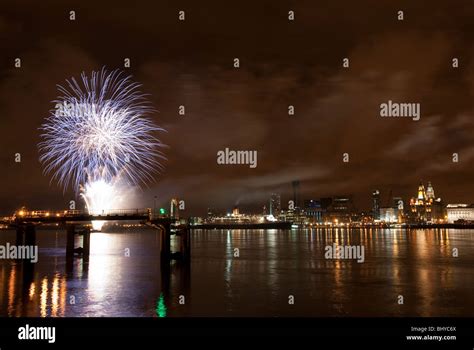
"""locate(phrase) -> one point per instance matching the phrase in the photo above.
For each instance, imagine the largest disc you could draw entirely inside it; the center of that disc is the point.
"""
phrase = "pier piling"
(165, 240)
(86, 246)
(20, 230)
(30, 235)
(70, 231)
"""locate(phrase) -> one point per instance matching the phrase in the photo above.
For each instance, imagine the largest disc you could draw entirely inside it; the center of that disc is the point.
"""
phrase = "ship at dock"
(236, 220)
(284, 225)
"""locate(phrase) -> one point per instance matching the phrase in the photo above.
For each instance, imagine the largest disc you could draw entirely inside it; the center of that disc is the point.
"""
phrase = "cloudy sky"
(282, 63)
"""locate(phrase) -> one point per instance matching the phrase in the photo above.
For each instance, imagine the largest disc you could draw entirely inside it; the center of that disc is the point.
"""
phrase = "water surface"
(124, 276)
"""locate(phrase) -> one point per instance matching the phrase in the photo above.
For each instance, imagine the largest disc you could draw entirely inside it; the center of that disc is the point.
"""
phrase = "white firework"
(100, 134)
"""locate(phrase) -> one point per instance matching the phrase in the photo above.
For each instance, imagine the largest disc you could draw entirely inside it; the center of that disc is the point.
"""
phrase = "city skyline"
(263, 203)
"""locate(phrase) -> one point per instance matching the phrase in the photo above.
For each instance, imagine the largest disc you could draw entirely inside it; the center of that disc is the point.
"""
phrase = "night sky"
(282, 63)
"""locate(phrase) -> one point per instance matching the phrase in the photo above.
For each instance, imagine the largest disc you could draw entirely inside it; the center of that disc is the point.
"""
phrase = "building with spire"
(430, 192)
(426, 208)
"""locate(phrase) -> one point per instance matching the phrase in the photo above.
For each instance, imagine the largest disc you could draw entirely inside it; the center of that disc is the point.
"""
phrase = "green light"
(161, 307)
(162, 211)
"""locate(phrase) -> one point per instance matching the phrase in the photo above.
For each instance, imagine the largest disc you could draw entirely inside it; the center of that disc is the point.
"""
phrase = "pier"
(77, 223)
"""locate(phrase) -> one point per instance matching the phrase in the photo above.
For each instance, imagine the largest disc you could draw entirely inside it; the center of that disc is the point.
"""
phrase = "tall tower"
(296, 194)
(275, 204)
(430, 195)
(421, 192)
(376, 205)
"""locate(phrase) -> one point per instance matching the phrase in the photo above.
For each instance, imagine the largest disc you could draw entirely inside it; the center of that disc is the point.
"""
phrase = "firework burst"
(99, 134)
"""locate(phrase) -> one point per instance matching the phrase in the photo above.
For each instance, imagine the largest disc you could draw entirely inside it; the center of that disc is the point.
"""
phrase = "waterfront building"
(425, 208)
(295, 216)
(196, 220)
(460, 213)
(389, 215)
(398, 205)
(325, 203)
(340, 210)
(313, 210)
(439, 211)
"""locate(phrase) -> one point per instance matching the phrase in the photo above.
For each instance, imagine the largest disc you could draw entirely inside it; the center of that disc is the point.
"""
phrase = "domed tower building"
(430, 195)
(421, 194)
(426, 208)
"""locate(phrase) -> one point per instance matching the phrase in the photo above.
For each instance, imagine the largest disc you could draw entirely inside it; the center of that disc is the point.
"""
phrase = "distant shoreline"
(277, 225)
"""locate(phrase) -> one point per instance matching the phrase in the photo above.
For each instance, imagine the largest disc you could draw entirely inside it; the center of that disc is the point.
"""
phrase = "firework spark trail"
(100, 131)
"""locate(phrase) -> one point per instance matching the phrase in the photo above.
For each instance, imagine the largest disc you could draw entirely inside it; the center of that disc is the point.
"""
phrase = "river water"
(271, 273)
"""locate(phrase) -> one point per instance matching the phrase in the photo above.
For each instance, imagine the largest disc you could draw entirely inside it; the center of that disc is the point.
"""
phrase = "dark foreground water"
(272, 265)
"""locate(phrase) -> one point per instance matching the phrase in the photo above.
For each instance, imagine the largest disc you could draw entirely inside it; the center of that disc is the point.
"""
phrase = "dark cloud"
(282, 63)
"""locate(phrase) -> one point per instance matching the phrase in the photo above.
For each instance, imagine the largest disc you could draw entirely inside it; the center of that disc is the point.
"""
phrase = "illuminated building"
(430, 191)
(313, 210)
(399, 206)
(389, 215)
(340, 210)
(275, 204)
(439, 211)
(195, 220)
(460, 212)
(376, 205)
(425, 208)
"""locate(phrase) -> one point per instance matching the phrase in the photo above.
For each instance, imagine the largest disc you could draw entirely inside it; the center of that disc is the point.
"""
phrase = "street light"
(154, 207)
